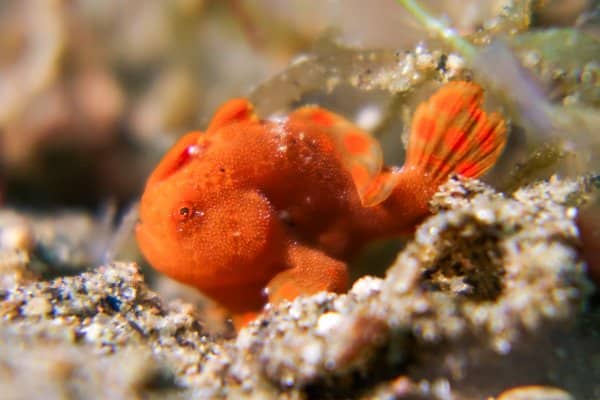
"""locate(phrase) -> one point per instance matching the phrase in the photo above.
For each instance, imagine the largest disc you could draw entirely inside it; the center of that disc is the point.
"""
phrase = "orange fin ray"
(381, 187)
(451, 133)
(359, 152)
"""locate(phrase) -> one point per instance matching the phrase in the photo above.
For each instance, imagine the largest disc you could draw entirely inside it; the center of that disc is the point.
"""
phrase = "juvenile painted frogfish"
(254, 211)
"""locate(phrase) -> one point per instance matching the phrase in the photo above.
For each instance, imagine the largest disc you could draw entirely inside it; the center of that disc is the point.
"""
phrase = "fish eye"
(183, 211)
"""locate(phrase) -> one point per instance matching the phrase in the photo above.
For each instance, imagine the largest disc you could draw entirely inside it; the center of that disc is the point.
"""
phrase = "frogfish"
(254, 211)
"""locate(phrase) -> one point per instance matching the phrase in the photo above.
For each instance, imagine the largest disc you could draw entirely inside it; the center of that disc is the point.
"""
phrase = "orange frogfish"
(254, 211)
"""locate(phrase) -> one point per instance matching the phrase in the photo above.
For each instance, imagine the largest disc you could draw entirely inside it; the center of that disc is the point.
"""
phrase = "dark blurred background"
(92, 92)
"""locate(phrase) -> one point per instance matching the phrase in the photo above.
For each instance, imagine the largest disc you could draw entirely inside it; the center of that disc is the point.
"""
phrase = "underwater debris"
(522, 72)
(569, 72)
(570, 129)
(331, 65)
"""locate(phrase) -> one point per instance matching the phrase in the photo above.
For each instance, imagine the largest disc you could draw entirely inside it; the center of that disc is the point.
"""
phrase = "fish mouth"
(145, 239)
(152, 247)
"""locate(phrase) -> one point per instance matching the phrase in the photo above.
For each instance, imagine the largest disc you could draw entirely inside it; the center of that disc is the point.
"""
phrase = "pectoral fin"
(359, 152)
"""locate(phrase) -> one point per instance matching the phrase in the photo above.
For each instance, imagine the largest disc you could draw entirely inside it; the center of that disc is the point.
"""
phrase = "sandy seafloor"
(490, 294)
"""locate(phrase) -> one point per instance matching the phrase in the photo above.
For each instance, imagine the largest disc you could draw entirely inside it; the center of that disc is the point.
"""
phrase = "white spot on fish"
(368, 117)
(193, 150)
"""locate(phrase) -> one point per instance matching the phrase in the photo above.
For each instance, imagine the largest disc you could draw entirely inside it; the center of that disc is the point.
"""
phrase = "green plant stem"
(438, 27)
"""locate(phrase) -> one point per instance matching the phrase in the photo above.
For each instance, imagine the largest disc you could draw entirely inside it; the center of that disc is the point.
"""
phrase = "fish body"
(254, 211)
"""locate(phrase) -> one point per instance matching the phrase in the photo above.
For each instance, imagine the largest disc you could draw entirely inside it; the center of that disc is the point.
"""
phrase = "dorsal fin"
(451, 133)
(360, 153)
(235, 110)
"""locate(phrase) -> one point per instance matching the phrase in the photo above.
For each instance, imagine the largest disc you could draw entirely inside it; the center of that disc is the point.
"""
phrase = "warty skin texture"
(255, 210)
